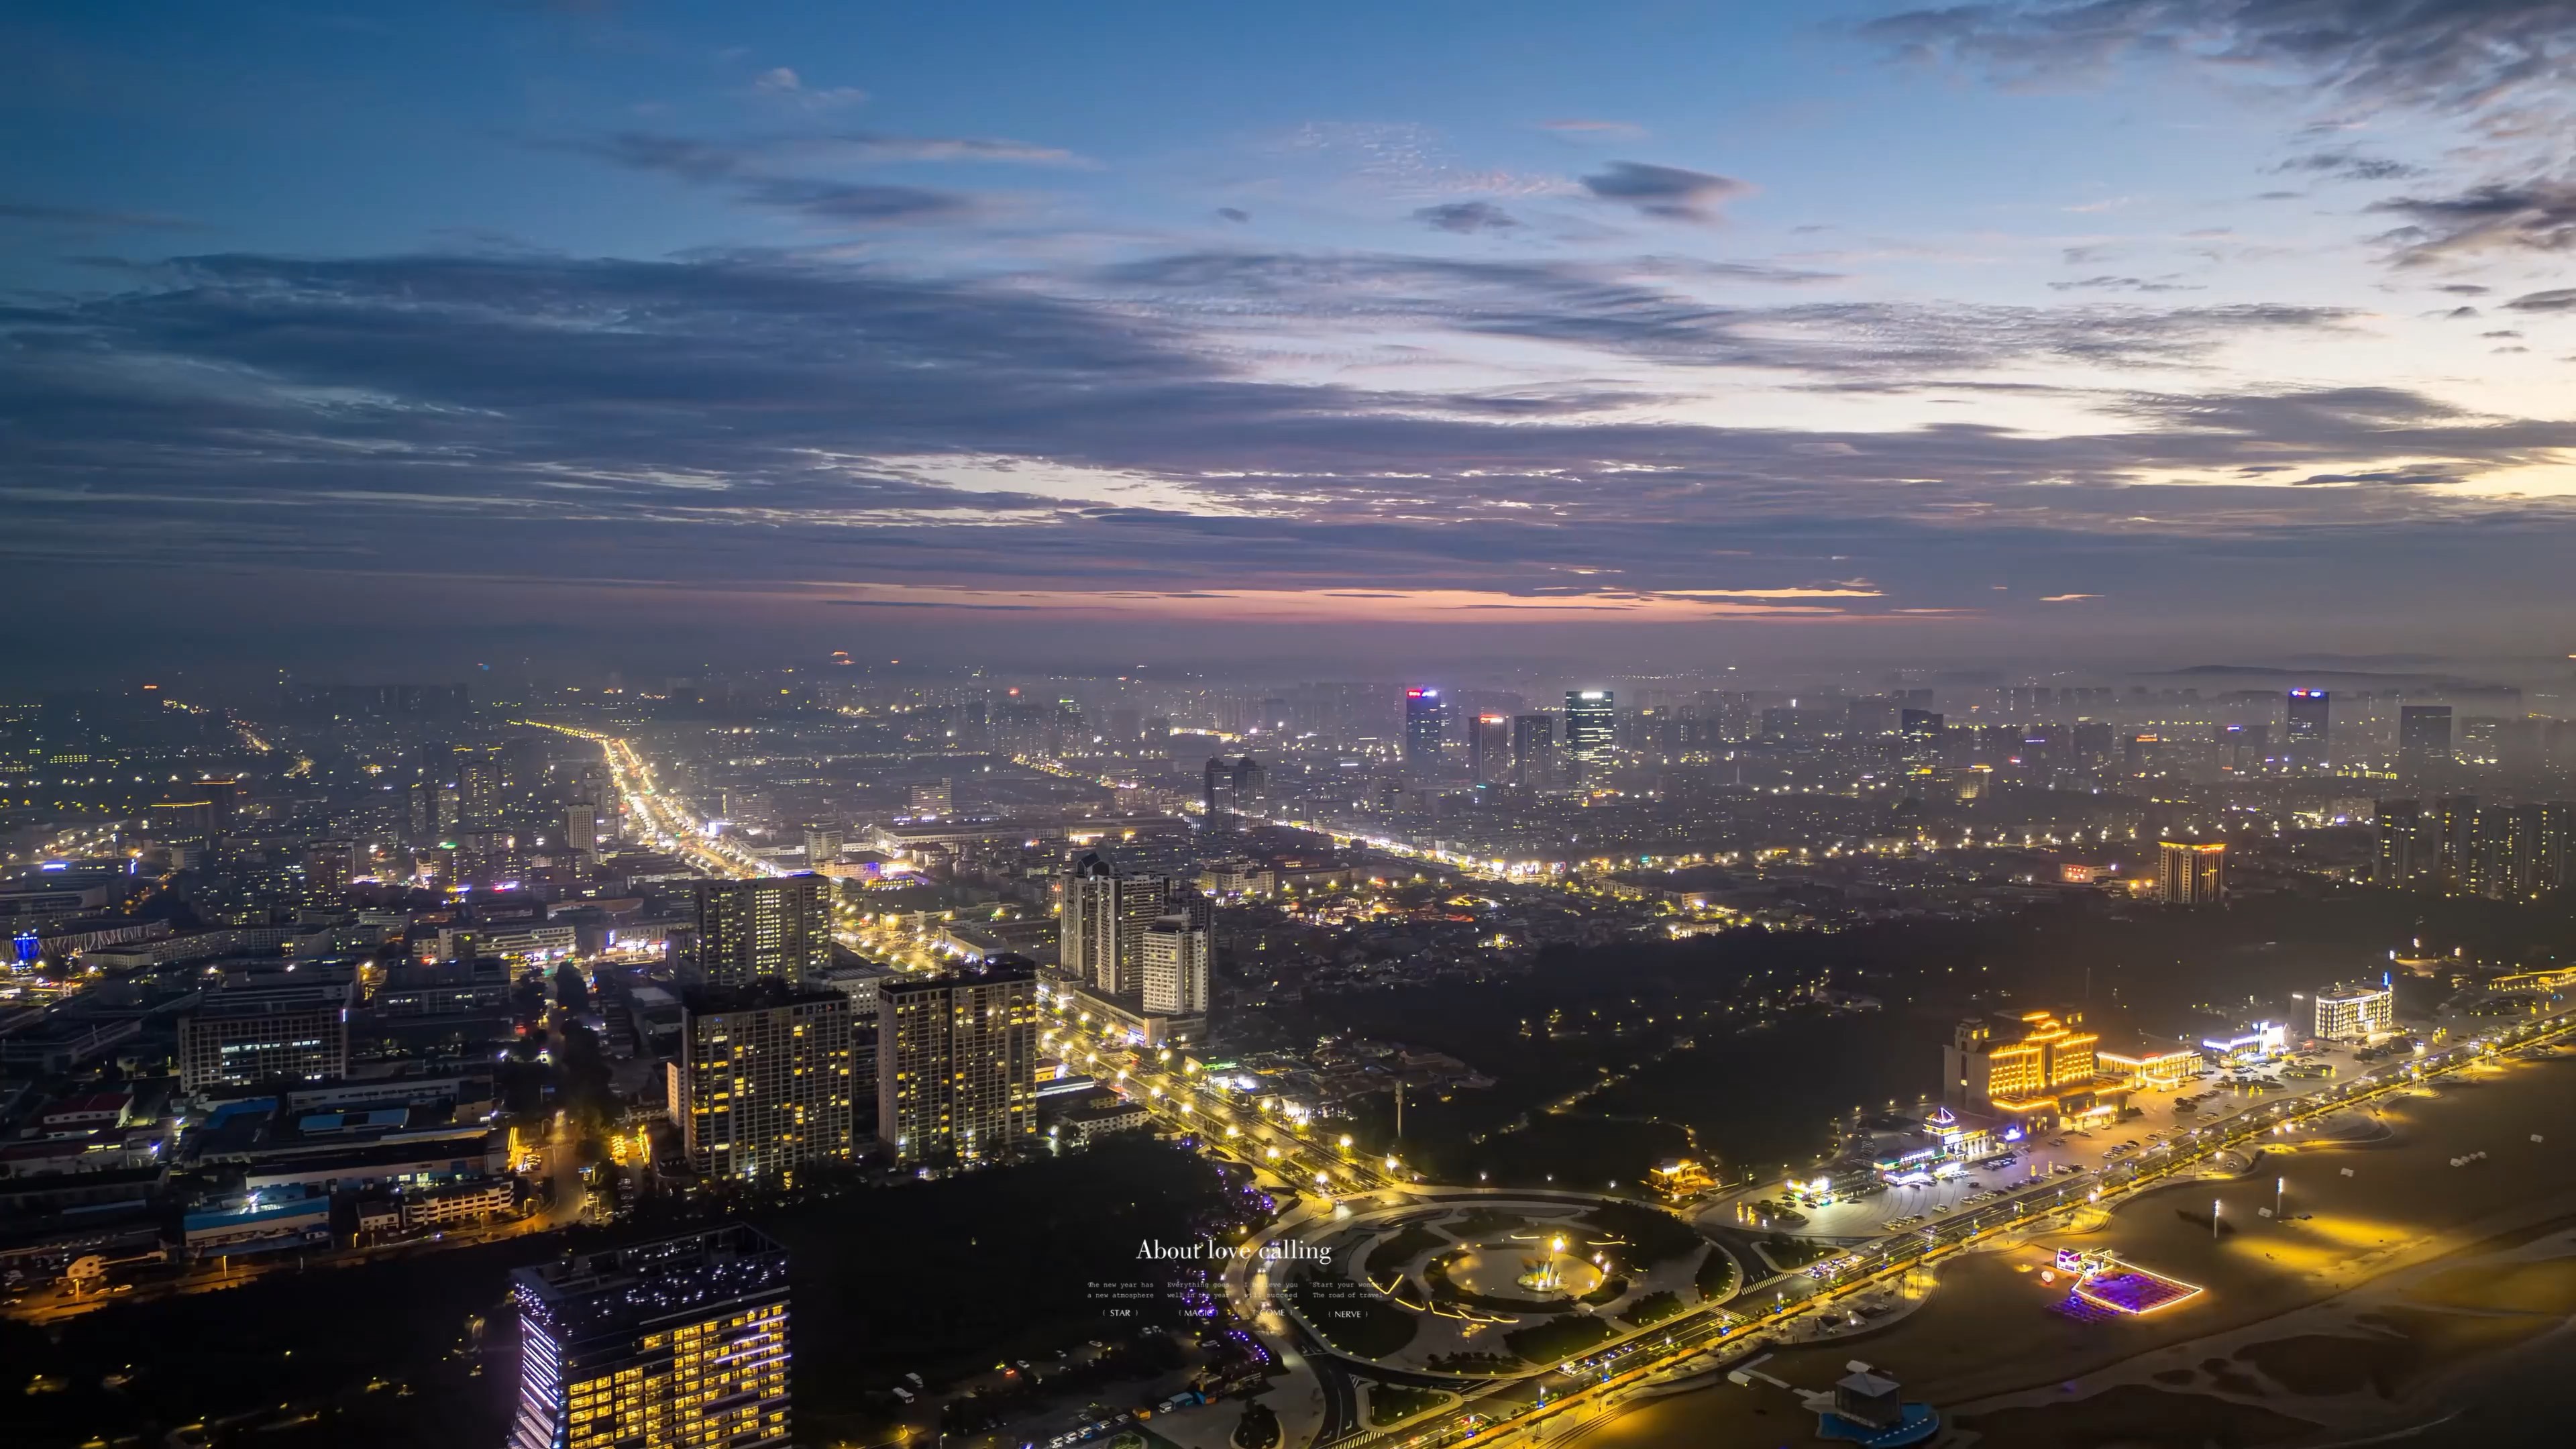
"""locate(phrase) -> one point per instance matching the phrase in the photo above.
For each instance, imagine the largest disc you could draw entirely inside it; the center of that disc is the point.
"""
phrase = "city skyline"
(2038, 331)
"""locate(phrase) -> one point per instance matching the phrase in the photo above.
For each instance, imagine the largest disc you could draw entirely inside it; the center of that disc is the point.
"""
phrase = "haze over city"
(1418, 726)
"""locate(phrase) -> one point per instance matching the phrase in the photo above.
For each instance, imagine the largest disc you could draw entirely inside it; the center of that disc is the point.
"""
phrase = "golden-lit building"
(661, 1345)
(2149, 1065)
(763, 1086)
(1678, 1178)
(957, 1065)
(2191, 872)
(2031, 1066)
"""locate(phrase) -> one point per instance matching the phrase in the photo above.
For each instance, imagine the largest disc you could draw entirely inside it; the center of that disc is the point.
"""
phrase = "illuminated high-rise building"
(1489, 747)
(1424, 721)
(1591, 727)
(1100, 932)
(778, 925)
(673, 1344)
(581, 829)
(762, 1087)
(1176, 951)
(1533, 749)
(478, 773)
(2191, 872)
(957, 1065)
(1232, 786)
(2409, 854)
(2303, 744)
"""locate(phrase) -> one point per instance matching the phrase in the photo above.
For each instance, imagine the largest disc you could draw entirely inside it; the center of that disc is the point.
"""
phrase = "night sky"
(2145, 331)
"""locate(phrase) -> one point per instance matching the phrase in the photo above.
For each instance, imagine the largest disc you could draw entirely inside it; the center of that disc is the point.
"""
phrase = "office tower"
(762, 1088)
(2191, 873)
(932, 801)
(581, 829)
(257, 1037)
(823, 841)
(1235, 786)
(957, 1065)
(478, 773)
(2303, 743)
(2409, 853)
(779, 925)
(1422, 728)
(2356, 1013)
(661, 1345)
(1176, 953)
(1100, 932)
(1921, 729)
(1533, 749)
(1489, 747)
(2423, 738)
(1591, 727)
(1869, 716)
(2243, 748)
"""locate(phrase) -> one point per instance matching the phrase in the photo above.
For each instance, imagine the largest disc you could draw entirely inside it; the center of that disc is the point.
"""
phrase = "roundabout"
(1492, 1285)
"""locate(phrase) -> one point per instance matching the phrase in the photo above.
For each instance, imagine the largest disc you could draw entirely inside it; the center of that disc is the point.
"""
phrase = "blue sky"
(1761, 331)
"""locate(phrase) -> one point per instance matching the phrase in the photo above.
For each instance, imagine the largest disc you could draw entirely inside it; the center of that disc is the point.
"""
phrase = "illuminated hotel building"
(2360, 1013)
(2027, 1067)
(762, 1086)
(957, 1065)
(680, 1342)
(2191, 873)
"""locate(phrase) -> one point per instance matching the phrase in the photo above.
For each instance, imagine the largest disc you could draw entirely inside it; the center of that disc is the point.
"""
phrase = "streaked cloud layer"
(2155, 313)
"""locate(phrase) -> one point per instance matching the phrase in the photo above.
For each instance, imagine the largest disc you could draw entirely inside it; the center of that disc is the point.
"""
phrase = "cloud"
(1577, 126)
(2454, 56)
(2562, 299)
(738, 423)
(2065, 598)
(1466, 216)
(784, 83)
(2349, 165)
(2534, 216)
(859, 202)
(1643, 311)
(88, 217)
(1668, 192)
(744, 168)
(1234, 214)
(2124, 284)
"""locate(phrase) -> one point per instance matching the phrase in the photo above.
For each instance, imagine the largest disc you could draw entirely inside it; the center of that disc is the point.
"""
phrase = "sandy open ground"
(2400, 1293)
